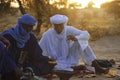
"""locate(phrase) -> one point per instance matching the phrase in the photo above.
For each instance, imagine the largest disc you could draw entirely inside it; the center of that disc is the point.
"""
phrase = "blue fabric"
(5, 60)
(1, 46)
(1, 54)
(18, 33)
(27, 19)
(9, 57)
(34, 59)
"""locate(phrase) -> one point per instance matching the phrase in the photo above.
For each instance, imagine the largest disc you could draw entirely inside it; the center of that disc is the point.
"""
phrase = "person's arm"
(11, 40)
(34, 50)
(75, 34)
(44, 43)
(11, 62)
(5, 41)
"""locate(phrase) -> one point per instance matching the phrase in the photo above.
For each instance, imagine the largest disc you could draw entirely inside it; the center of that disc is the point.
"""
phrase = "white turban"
(58, 19)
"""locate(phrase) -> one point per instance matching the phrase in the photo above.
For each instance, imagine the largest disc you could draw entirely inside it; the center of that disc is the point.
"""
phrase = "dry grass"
(97, 27)
(102, 27)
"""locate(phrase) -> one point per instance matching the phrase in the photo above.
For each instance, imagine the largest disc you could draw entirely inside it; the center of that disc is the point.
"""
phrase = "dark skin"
(27, 27)
(59, 28)
(5, 41)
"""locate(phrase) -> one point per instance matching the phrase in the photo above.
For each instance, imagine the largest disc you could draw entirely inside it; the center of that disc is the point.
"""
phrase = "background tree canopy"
(112, 8)
(97, 20)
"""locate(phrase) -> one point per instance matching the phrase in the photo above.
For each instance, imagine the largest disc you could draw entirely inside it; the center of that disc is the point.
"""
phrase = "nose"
(29, 29)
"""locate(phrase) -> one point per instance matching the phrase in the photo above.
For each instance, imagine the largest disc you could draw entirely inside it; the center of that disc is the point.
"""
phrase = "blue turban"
(27, 19)
(18, 33)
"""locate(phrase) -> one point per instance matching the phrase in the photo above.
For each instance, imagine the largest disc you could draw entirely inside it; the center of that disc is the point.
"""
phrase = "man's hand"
(52, 61)
(71, 37)
(6, 42)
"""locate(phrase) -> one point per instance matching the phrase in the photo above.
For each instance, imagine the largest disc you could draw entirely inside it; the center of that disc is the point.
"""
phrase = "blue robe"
(33, 59)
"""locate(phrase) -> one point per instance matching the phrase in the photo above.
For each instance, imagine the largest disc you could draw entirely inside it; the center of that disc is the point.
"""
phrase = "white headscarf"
(58, 19)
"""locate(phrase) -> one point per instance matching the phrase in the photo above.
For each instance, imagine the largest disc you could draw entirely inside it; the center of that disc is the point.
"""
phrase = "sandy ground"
(107, 47)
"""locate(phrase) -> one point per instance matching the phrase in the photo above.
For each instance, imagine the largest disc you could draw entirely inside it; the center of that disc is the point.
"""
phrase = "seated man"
(67, 45)
(24, 51)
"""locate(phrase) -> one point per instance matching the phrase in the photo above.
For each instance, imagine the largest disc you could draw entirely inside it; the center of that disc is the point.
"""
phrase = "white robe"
(67, 53)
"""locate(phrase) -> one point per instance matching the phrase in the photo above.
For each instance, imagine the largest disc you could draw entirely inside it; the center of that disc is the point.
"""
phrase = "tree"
(90, 4)
(112, 8)
(74, 5)
(4, 6)
(60, 3)
(21, 7)
(42, 10)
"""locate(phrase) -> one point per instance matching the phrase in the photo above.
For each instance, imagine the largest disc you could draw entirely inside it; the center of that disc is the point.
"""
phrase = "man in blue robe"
(24, 51)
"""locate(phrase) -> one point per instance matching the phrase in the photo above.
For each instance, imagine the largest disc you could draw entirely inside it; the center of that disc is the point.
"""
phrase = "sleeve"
(79, 34)
(9, 62)
(47, 47)
(34, 50)
(43, 45)
(83, 36)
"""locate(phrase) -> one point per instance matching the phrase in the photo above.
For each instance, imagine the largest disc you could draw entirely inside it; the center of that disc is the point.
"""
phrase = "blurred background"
(100, 17)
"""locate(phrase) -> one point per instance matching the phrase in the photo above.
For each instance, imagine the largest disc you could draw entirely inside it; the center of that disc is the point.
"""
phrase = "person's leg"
(98, 68)
(88, 56)
(90, 59)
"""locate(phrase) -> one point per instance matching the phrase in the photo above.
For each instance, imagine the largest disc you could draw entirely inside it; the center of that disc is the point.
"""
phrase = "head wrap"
(58, 19)
(18, 33)
(27, 19)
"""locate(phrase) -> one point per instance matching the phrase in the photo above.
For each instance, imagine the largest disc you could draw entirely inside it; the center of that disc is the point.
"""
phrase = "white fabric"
(67, 53)
(58, 19)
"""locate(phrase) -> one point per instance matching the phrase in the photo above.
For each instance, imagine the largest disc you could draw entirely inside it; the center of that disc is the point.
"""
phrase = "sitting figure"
(67, 45)
(24, 51)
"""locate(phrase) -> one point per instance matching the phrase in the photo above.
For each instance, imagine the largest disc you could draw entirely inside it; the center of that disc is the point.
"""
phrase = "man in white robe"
(66, 44)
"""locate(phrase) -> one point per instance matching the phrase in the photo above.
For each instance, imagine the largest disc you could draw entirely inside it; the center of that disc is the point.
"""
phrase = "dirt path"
(107, 47)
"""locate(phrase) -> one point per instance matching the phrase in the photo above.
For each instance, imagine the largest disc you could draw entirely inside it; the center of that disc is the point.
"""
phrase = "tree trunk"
(38, 29)
(21, 7)
(39, 16)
